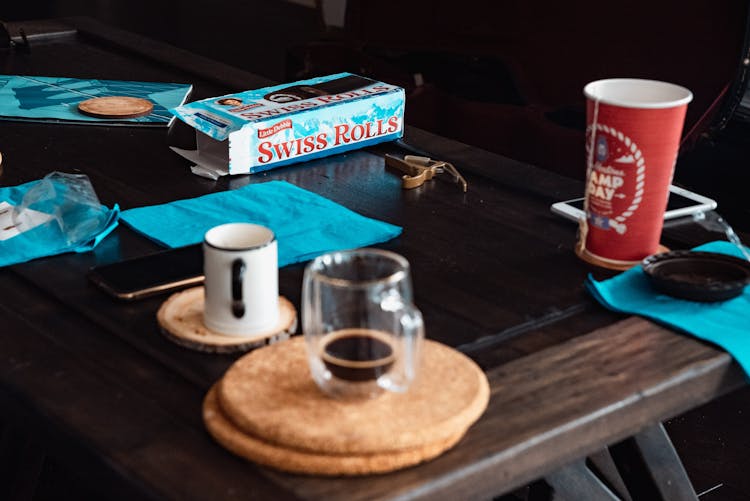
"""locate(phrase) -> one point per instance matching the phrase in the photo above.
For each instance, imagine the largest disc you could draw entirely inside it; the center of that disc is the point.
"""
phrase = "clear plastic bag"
(71, 201)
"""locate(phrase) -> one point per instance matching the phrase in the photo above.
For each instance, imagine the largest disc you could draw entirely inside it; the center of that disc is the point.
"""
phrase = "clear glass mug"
(362, 332)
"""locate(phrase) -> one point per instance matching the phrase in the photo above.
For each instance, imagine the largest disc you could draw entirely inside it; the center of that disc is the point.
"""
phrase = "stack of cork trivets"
(181, 320)
(268, 409)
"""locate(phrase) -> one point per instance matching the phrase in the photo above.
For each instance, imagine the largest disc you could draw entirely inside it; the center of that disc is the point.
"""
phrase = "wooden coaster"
(296, 461)
(116, 107)
(270, 394)
(611, 264)
(181, 320)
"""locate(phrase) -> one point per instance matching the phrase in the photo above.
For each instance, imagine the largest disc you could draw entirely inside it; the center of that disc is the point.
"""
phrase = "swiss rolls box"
(258, 130)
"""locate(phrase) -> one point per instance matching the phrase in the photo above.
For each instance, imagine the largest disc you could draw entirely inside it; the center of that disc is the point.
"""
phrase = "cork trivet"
(181, 321)
(611, 264)
(270, 394)
(296, 461)
(116, 107)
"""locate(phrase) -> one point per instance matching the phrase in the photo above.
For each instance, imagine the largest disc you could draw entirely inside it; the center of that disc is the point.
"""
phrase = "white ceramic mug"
(240, 262)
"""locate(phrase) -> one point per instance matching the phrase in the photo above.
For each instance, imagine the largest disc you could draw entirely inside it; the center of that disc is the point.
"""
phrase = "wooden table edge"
(705, 373)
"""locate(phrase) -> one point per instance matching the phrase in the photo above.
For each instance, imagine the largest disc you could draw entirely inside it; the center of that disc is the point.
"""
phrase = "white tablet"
(681, 203)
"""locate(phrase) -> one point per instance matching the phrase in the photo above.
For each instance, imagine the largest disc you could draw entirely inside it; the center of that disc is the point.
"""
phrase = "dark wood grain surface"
(494, 275)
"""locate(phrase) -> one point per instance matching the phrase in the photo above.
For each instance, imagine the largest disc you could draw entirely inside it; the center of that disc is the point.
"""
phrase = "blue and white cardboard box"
(257, 130)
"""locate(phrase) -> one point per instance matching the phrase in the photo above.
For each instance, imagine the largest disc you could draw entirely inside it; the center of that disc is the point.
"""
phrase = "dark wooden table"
(89, 383)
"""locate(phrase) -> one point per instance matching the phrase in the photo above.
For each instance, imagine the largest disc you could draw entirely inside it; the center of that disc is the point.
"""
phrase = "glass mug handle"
(412, 333)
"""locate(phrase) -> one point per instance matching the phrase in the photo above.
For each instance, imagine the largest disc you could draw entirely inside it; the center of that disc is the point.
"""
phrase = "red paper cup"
(632, 138)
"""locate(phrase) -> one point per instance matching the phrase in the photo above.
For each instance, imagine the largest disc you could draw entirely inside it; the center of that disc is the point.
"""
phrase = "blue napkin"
(305, 224)
(84, 223)
(725, 323)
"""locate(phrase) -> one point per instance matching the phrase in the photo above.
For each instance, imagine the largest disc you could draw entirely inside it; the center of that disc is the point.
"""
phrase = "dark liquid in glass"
(358, 355)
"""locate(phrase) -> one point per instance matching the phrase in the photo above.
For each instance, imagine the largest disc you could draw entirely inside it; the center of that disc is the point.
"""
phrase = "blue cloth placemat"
(725, 323)
(35, 98)
(305, 224)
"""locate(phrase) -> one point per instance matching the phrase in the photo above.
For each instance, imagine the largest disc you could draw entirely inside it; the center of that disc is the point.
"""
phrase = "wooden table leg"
(577, 482)
(645, 466)
(604, 466)
(664, 464)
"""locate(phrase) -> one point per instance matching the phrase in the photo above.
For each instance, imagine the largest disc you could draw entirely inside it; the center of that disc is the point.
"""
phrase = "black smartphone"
(152, 274)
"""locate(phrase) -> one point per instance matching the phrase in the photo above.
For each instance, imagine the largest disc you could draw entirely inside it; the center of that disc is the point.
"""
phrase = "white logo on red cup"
(616, 181)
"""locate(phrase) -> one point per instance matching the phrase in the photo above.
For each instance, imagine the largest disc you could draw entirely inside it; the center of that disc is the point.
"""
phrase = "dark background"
(254, 35)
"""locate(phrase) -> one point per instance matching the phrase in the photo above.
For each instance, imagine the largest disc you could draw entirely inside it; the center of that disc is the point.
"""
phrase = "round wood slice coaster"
(291, 460)
(611, 264)
(116, 107)
(181, 321)
(270, 394)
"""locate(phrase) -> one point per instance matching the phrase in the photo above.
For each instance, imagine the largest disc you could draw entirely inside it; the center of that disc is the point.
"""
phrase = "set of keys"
(418, 169)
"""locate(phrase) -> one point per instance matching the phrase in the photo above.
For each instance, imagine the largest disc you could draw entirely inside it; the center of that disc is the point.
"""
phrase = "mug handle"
(412, 334)
(238, 275)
